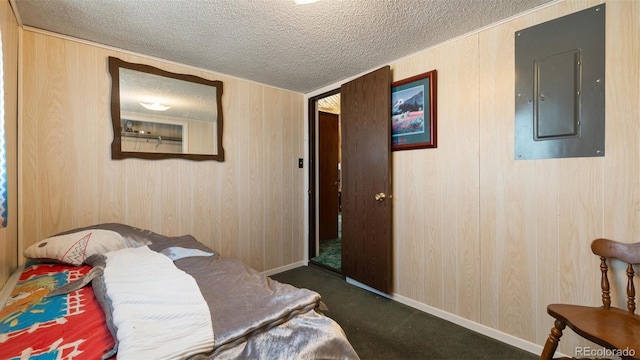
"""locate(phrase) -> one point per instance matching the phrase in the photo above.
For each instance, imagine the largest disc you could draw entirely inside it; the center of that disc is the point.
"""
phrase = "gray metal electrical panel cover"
(559, 92)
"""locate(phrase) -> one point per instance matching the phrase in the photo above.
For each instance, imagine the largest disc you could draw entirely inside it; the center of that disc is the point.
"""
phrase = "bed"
(114, 291)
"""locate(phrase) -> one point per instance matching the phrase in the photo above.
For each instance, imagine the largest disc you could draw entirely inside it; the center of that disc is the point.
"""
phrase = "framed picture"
(413, 112)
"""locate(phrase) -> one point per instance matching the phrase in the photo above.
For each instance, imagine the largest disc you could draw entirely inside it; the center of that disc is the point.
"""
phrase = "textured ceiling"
(276, 42)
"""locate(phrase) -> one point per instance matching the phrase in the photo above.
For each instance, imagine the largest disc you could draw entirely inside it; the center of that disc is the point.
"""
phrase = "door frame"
(313, 171)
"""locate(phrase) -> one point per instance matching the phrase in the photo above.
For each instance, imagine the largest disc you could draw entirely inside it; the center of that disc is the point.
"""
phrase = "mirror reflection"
(158, 114)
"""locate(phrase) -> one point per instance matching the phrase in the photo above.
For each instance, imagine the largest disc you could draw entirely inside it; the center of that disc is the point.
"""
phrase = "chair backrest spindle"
(604, 283)
(631, 290)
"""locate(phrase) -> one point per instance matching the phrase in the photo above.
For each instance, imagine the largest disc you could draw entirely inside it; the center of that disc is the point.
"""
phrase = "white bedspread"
(157, 308)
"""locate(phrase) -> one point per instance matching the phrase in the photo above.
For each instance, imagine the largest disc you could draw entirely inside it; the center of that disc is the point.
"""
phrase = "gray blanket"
(253, 316)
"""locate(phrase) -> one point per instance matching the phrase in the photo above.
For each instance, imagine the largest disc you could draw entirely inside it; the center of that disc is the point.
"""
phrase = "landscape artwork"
(413, 112)
(408, 111)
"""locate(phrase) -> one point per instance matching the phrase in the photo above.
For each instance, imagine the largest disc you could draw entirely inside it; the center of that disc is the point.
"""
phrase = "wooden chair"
(607, 326)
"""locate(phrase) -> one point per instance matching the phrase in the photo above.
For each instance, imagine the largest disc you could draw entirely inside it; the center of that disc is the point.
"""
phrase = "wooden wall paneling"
(457, 127)
(288, 161)
(29, 215)
(216, 178)
(429, 163)
(299, 190)
(408, 225)
(58, 167)
(529, 212)
(28, 158)
(202, 179)
(435, 245)
(449, 191)
(294, 204)
(242, 146)
(580, 219)
(435, 276)
(506, 197)
(169, 207)
(298, 237)
(491, 42)
(111, 179)
(273, 176)
(257, 177)
(461, 190)
(82, 92)
(223, 204)
(547, 197)
(494, 83)
(229, 191)
(544, 267)
(516, 248)
(186, 194)
(515, 236)
(622, 193)
(142, 192)
(206, 192)
(545, 258)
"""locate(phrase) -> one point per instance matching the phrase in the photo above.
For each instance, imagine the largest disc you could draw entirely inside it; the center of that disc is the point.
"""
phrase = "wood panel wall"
(9, 235)
(493, 240)
(249, 207)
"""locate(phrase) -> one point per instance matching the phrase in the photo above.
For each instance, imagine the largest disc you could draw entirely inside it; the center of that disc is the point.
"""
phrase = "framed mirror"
(158, 114)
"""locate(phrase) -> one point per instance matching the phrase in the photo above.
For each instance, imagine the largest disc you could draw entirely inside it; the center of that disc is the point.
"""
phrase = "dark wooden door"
(328, 144)
(366, 179)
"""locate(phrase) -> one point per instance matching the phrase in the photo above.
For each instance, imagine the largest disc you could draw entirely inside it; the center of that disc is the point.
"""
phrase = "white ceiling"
(275, 42)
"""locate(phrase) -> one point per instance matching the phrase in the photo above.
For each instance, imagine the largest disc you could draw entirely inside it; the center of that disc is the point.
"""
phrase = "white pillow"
(74, 248)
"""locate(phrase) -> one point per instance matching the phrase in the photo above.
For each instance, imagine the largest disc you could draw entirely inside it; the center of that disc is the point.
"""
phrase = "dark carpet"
(380, 328)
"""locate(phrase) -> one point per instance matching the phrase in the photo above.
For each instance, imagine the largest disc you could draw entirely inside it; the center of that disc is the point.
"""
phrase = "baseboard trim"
(471, 325)
(284, 268)
(458, 320)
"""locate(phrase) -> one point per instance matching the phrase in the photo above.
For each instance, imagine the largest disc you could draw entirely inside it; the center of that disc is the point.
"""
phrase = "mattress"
(138, 294)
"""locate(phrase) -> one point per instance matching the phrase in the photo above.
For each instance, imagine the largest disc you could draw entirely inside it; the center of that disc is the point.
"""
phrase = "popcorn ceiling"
(275, 42)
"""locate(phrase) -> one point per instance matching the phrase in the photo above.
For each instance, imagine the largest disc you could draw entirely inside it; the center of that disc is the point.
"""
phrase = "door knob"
(380, 197)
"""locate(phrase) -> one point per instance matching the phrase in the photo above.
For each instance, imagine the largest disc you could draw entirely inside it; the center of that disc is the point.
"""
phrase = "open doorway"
(364, 179)
(325, 238)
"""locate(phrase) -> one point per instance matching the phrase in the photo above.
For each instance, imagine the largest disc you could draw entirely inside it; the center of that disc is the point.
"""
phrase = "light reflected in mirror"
(158, 114)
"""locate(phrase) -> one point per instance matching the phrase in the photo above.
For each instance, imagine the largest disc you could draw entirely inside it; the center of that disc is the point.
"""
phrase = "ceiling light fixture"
(304, 2)
(156, 106)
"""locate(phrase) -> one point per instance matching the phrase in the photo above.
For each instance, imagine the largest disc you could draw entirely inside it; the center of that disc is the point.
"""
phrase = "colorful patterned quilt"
(246, 314)
(70, 326)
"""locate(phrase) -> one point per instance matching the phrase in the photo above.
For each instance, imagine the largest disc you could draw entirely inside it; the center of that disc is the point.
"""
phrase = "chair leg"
(552, 342)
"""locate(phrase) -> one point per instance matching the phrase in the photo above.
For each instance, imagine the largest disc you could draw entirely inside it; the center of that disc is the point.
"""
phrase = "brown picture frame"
(413, 112)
